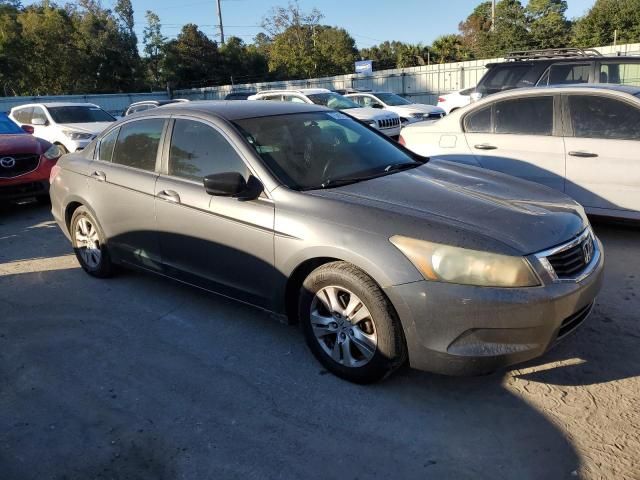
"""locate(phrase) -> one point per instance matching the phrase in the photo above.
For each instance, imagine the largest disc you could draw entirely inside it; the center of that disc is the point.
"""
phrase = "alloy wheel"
(88, 242)
(343, 326)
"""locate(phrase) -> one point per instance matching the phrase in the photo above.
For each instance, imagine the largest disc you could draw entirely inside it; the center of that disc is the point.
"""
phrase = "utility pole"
(493, 14)
(220, 22)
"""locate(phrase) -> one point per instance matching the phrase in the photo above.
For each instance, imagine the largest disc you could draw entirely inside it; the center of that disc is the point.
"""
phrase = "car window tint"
(106, 145)
(137, 144)
(197, 150)
(23, 115)
(39, 114)
(479, 122)
(503, 78)
(620, 73)
(603, 117)
(293, 98)
(569, 74)
(525, 116)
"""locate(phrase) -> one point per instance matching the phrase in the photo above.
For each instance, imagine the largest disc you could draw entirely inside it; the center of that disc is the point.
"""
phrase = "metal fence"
(421, 84)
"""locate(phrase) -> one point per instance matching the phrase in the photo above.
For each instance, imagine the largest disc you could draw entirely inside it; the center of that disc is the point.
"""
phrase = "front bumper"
(466, 330)
(31, 184)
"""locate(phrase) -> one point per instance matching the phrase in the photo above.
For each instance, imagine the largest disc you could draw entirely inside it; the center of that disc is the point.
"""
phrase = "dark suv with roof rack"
(558, 67)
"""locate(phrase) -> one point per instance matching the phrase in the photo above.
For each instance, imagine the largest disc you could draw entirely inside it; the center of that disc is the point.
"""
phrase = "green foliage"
(597, 27)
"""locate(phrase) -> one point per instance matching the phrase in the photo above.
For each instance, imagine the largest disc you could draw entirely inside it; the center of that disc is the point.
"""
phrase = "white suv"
(71, 126)
(409, 112)
(386, 122)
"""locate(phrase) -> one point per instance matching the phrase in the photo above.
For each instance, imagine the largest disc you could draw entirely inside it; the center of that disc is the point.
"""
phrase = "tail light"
(55, 170)
(401, 141)
(441, 99)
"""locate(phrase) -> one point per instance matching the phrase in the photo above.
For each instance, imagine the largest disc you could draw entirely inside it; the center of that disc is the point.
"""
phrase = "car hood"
(523, 216)
(418, 108)
(21, 143)
(92, 127)
(366, 113)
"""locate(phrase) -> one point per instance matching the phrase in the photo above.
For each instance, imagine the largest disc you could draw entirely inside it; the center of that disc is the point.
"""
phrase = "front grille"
(570, 262)
(20, 165)
(573, 321)
(389, 122)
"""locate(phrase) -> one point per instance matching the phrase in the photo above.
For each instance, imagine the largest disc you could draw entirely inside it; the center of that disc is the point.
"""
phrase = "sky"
(369, 21)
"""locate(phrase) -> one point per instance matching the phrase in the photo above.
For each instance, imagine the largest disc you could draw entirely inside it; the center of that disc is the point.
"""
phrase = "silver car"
(380, 254)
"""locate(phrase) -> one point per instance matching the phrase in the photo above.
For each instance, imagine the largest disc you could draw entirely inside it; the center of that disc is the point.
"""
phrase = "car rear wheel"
(349, 324)
(89, 245)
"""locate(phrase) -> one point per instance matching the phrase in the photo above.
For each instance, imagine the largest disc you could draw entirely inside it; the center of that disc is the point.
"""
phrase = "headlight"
(444, 263)
(416, 115)
(77, 135)
(52, 152)
(371, 123)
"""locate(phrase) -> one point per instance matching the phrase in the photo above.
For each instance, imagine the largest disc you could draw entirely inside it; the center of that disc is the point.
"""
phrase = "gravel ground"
(138, 377)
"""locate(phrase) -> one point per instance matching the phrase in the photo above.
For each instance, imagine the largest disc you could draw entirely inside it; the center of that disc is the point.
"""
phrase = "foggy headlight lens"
(77, 135)
(444, 263)
(53, 152)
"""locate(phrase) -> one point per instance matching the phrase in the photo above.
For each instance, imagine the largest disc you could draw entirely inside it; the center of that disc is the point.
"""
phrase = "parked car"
(347, 90)
(381, 254)
(71, 126)
(240, 95)
(409, 112)
(582, 140)
(450, 102)
(559, 66)
(386, 122)
(25, 162)
(149, 104)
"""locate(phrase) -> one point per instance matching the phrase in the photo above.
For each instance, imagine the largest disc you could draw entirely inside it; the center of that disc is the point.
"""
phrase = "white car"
(409, 112)
(451, 102)
(387, 122)
(71, 126)
(580, 139)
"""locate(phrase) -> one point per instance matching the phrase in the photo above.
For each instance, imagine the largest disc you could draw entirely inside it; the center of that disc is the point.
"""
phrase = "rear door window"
(105, 151)
(603, 117)
(525, 116)
(569, 73)
(620, 73)
(23, 115)
(137, 144)
(479, 122)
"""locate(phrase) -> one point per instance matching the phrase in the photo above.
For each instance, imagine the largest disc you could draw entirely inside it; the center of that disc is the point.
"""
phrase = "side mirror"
(28, 128)
(232, 184)
(377, 105)
(38, 121)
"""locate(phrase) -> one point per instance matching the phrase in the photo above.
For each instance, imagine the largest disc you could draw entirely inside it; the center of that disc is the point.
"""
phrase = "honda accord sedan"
(381, 255)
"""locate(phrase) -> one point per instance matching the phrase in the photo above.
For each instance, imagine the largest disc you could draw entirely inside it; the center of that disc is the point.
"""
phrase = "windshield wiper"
(396, 167)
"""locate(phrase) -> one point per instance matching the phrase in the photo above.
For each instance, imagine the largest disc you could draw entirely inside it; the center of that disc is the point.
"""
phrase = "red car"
(25, 162)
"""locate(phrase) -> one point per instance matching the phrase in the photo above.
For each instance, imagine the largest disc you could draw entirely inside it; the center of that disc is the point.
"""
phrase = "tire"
(362, 343)
(93, 254)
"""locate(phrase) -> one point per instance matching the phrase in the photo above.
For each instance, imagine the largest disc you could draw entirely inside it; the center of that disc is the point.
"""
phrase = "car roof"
(619, 59)
(57, 104)
(237, 109)
(304, 91)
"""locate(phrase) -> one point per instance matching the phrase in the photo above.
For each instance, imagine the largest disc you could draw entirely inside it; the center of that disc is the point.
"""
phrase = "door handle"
(485, 146)
(100, 176)
(583, 154)
(169, 196)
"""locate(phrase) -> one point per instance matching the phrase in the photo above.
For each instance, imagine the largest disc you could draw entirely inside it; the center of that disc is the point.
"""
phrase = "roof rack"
(552, 53)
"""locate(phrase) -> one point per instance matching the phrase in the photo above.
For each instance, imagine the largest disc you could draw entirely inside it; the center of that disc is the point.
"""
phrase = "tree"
(597, 27)
(192, 58)
(548, 24)
(154, 43)
(11, 46)
(449, 48)
(475, 30)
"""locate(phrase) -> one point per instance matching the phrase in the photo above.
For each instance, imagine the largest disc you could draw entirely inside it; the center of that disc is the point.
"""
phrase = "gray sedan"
(381, 255)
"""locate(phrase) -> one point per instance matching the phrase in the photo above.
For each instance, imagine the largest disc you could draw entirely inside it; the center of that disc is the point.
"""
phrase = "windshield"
(333, 100)
(79, 114)
(393, 99)
(7, 127)
(322, 149)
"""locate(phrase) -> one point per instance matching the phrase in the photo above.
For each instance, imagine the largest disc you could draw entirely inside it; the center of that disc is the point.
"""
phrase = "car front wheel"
(89, 245)
(349, 324)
